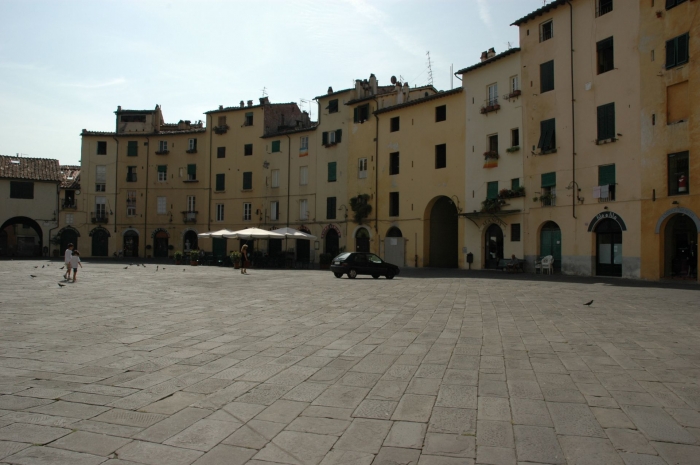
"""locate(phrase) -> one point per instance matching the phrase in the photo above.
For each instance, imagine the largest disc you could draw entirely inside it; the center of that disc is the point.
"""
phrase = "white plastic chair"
(547, 263)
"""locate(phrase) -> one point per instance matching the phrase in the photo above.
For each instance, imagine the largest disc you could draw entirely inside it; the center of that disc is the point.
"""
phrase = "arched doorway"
(332, 245)
(68, 235)
(680, 247)
(550, 242)
(608, 248)
(493, 246)
(394, 247)
(160, 244)
(100, 242)
(444, 231)
(131, 243)
(190, 241)
(21, 237)
(362, 240)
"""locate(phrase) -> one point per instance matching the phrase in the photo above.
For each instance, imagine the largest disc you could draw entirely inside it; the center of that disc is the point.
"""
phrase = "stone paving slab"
(140, 366)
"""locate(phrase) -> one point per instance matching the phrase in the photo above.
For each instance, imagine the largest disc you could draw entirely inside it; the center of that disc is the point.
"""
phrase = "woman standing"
(244, 259)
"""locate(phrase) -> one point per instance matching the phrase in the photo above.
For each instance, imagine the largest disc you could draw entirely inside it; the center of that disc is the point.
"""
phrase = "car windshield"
(342, 256)
(373, 258)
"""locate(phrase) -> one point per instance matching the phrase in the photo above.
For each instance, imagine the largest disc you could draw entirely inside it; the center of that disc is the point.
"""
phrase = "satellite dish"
(393, 79)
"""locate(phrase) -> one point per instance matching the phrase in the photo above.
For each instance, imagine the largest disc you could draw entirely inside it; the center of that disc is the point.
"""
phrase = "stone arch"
(674, 211)
(606, 215)
(13, 244)
(159, 230)
(441, 238)
(70, 228)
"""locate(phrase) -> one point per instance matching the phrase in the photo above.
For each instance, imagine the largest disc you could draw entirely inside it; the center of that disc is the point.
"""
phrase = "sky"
(66, 65)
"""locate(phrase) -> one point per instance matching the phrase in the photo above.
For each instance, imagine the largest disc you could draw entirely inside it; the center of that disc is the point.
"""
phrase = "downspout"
(574, 197)
(58, 217)
(211, 170)
(289, 175)
(116, 179)
(145, 210)
(376, 169)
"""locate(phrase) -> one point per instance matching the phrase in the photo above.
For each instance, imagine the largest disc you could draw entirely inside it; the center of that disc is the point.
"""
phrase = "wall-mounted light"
(675, 202)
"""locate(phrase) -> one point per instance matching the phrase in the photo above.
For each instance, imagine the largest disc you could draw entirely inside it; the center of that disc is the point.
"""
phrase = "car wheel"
(375, 276)
(352, 274)
(338, 275)
(389, 275)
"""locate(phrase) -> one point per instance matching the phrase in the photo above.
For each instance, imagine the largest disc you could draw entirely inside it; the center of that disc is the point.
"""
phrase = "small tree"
(360, 207)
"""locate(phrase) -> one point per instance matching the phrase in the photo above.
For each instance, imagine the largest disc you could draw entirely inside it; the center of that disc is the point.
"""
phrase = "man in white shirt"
(66, 258)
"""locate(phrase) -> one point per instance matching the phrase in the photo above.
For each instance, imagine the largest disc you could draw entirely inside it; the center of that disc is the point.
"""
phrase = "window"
(492, 190)
(548, 189)
(247, 211)
(677, 50)
(192, 172)
(304, 143)
(221, 182)
(492, 94)
(163, 146)
(69, 218)
(515, 232)
(606, 122)
(515, 137)
(678, 174)
(330, 208)
(605, 55)
(219, 212)
(191, 204)
(133, 118)
(100, 187)
(131, 203)
(192, 145)
(493, 143)
(362, 168)
(440, 113)
(132, 148)
(100, 207)
(100, 178)
(130, 174)
(440, 156)
(333, 106)
(678, 103)
(673, 3)
(514, 84)
(393, 204)
(546, 30)
(547, 76)
(606, 183)
(247, 180)
(222, 121)
(162, 173)
(102, 147)
(162, 206)
(303, 175)
(303, 209)
(275, 146)
(604, 7)
(394, 163)
(361, 113)
(275, 178)
(21, 190)
(515, 184)
(221, 152)
(331, 137)
(274, 210)
(548, 140)
(332, 171)
(248, 149)
(394, 124)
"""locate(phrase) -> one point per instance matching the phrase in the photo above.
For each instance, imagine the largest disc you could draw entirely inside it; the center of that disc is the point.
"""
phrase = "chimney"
(221, 107)
(373, 83)
(492, 52)
(484, 56)
(119, 108)
(242, 103)
(264, 101)
(330, 90)
(250, 103)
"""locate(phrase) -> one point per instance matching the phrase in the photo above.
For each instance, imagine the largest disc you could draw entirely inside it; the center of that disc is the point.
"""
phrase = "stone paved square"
(183, 364)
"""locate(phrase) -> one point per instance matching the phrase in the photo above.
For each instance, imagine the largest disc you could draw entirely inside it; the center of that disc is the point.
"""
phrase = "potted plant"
(194, 257)
(515, 148)
(235, 259)
(178, 257)
(490, 155)
(490, 206)
(361, 208)
(324, 261)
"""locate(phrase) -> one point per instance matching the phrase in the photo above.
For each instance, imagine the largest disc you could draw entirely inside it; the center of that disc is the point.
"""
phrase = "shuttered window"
(132, 148)
(303, 175)
(515, 184)
(100, 173)
(330, 208)
(191, 172)
(606, 121)
(247, 180)
(275, 146)
(221, 182)
(332, 171)
(361, 113)
(547, 76)
(672, 3)
(515, 232)
(248, 149)
(275, 181)
(548, 140)
(333, 106)
(21, 190)
(338, 135)
(492, 190)
(221, 152)
(549, 179)
(677, 50)
(606, 175)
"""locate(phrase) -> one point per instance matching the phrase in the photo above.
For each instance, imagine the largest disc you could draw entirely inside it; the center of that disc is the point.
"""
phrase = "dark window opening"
(677, 50)
(604, 7)
(102, 148)
(546, 31)
(361, 113)
(493, 143)
(394, 163)
(248, 119)
(673, 3)
(192, 172)
(440, 113)
(333, 106)
(332, 171)
(221, 152)
(440, 156)
(678, 173)
(515, 232)
(276, 146)
(247, 149)
(393, 204)
(394, 122)
(605, 55)
(606, 121)
(515, 137)
(548, 140)
(21, 190)
(547, 76)
(132, 148)
(133, 118)
(247, 180)
(221, 182)
(606, 182)
(130, 174)
(330, 208)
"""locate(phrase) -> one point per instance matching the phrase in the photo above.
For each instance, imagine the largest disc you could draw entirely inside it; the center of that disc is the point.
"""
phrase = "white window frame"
(362, 168)
(492, 94)
(162, 176)
(274, 210)
(69, 218)
(100, 187)
(304, 142)
(331, 137)
(303, 175)
(247, 211)
(275, 181)
(514, 83)
(192, 144)
(219, 212)
(191, 203)
(303, 209)
(161, 205)
(100, 206)
(100, 174)
(163, 146)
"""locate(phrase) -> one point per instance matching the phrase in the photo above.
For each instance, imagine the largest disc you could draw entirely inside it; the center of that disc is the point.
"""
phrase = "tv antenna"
(264, 91)
(302, 102)
(430, 69)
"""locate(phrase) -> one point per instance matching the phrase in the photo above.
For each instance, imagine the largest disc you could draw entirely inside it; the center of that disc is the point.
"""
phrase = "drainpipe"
(58, 217)
(116, 183)
(145, 210)
(289, 174)
(574, 197)
(376, 169)
(211, 170)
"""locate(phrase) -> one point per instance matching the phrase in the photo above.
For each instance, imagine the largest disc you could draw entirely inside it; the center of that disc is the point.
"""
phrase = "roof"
(384, 90)
(439, 95)
(239, 108)
(70, 177)
(539, 12)
(34, 169)
(510, 51)
(334, 93)
(133, 112)
(142, 134)
(290, 131)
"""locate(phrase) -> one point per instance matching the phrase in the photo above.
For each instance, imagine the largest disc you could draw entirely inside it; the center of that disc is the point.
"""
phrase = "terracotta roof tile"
(70, 177)
(35, 169)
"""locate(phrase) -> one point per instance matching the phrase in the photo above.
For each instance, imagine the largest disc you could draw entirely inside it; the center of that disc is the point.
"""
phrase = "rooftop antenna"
(264, 91)
(509, 45)
(430, 69)
(303, 101)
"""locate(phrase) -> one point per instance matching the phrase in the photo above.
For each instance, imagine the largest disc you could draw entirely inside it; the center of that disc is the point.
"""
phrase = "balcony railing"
(490, 105)
(130, 177)
(189, 217)
(69, 205)
(162, 152)
(99, 217)
(548, 200)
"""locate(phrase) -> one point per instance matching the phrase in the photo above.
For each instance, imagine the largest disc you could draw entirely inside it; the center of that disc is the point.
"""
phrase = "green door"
(100, 243)
(219, 247)
(550, 243)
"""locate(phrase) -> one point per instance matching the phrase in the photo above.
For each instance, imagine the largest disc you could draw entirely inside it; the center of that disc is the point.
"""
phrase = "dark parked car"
(354, 263)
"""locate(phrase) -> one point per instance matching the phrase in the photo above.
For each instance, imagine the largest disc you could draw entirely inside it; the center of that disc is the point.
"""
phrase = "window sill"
(219, 192)
(190, 180)
(606, 141)
(246, 190)
(547, 152)
(191, 151)
(330, 145)
(678, 193)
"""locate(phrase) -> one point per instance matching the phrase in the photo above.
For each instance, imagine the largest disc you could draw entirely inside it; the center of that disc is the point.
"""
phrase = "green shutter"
(275, 146)
(515, 184)
(132, 148)
(606, 121)
(162, 168)
(324, 138)
(606, 175)
(331, 171)
(547, 76)
(670, 53)
(220, 182)
(192, 169)
(549, 179)
(682, 49)
(248, 180)
(355, 115)
(338, 135)
(492, 190)
(330, 208)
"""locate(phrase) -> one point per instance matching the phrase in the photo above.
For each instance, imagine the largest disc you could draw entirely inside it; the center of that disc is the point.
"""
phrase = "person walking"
(244, 259)
(74, 263)
(66, 258)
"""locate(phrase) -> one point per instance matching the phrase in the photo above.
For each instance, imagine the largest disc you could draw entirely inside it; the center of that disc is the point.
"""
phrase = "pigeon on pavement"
(61, 285)
(33, 276)
(588, 303)
(63, 267)
(126, 267)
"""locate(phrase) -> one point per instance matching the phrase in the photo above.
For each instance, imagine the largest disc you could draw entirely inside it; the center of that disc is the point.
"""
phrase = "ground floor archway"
(550, 242)
(395, 247)
(362, 240)
(608, 248)
(21, 237)
(160, 244)
(190, 241)
(680, 247)
(68, 235)
(131, 243)
(444, 234)
(493, 246)
(100, 242)
(332, 242)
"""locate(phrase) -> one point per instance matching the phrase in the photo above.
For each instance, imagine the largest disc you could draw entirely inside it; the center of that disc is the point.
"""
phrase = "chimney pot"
(330, 90)
(250, 103)
(221, 107)
(492, 52)
(484, 56)
(242, 103)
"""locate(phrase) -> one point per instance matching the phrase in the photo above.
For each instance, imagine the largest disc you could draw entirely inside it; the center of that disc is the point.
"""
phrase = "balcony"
(548, 200)
(69, 205)
(99, 217)
(130, 177)
(191, 151)
(221, 129)
(162, 152)
(189, 217)
(490, 105)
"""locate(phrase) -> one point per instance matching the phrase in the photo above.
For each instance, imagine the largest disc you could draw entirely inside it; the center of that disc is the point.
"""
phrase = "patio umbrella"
(252, 233)
(292, 233)
(218, 233)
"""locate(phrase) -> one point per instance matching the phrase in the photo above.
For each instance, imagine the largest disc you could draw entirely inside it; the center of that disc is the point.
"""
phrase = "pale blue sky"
(67, 65)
